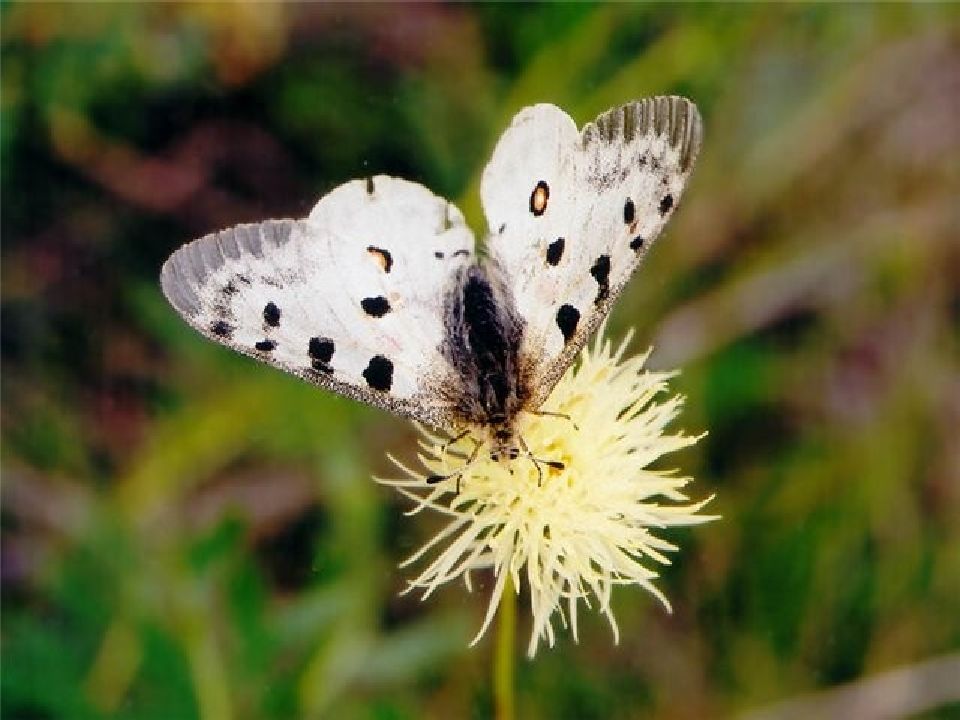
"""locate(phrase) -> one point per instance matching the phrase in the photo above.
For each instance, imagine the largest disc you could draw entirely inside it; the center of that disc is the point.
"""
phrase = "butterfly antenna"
(453, 441)
(434, 479)
(550, 413)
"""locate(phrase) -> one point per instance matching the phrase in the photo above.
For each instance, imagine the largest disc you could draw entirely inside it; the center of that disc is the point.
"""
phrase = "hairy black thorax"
(484, 342)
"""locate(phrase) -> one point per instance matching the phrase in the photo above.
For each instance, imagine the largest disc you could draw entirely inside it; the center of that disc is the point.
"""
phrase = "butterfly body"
(485, 336)
(378, 294)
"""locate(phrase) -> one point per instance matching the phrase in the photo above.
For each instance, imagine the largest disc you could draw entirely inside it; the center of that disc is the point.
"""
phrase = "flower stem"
(503, 656)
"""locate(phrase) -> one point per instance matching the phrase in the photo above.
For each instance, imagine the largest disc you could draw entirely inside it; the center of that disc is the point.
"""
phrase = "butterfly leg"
(555, 464)
(550, 413)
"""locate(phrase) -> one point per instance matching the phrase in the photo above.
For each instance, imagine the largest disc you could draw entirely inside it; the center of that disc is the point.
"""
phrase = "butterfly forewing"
(572, 213)
(347, 298)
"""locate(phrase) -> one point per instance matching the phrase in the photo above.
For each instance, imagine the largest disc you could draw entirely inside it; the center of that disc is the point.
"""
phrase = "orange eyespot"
(539, 197)
(381, 257)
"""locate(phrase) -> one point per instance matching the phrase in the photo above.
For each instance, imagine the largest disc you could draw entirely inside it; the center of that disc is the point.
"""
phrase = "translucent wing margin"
(349, 299)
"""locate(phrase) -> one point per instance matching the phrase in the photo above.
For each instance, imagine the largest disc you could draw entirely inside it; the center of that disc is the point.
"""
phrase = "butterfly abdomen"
(483, 343)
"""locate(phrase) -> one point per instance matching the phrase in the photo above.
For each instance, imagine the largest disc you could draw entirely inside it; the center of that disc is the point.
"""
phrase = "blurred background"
(186, 534)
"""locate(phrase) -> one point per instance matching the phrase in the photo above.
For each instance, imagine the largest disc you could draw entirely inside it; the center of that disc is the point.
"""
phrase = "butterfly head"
(503, 445)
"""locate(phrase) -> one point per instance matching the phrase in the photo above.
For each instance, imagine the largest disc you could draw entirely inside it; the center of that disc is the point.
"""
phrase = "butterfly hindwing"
(572, 213)
(346, 298)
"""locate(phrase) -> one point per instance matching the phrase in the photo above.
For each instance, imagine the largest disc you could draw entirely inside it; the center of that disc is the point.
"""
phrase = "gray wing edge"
(670, 115)
(188, 268)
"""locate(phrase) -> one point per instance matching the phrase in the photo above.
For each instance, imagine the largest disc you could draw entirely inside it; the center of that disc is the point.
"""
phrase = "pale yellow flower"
(572, 534)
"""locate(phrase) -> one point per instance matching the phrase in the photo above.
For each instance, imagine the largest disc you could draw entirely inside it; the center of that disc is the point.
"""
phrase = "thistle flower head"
(569, 534)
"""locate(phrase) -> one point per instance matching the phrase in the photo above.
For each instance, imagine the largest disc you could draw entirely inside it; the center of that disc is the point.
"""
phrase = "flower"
(573, 532)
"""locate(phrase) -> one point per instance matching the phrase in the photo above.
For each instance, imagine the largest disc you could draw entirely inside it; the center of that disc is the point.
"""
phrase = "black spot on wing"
(271, 314)
(666, 204)
(321, 349)
(636, 244)
(265, 345)
(629, 212)
(382, 257)
(464, 253)
(567, 318)
(601, 273)
(379, 373)
(438, 255)
(555, 251)
(230, 288)
(370, 187)
(221, 329)
(375, 306)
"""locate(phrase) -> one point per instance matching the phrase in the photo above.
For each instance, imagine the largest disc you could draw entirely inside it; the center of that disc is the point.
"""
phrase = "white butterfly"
(379, 295)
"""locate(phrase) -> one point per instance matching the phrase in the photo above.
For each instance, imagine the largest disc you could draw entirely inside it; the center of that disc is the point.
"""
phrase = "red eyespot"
(539, 197)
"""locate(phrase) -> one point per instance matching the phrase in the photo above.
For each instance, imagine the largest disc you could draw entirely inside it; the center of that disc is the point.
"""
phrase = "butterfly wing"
(572, 214)
(349, 298)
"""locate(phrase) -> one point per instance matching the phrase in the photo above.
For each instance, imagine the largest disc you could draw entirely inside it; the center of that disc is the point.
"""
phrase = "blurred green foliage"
(188, 535)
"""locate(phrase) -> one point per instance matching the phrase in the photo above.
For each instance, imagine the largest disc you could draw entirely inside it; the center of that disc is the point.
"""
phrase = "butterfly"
(380, 295)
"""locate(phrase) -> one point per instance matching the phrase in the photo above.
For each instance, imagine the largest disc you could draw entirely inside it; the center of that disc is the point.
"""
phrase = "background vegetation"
(187, 534)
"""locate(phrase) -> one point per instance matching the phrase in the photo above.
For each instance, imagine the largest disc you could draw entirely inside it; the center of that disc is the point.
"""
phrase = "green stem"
(504, 657)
